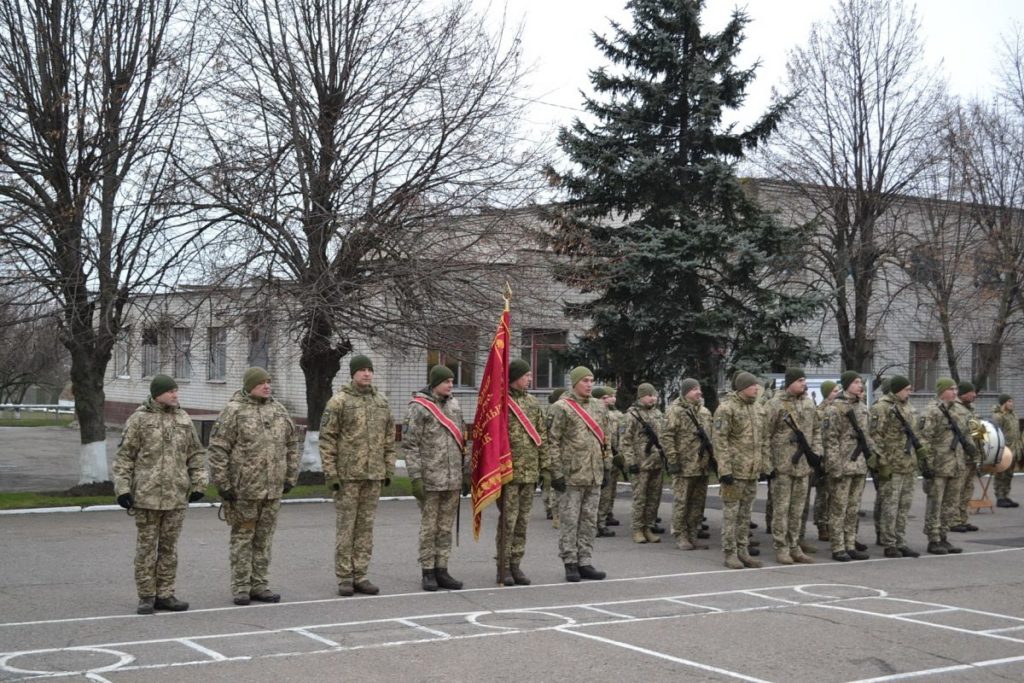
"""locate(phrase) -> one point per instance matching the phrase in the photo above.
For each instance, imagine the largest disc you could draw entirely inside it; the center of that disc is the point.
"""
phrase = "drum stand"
(977, 504)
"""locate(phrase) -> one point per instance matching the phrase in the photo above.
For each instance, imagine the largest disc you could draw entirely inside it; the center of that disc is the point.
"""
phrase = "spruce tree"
(682, 267)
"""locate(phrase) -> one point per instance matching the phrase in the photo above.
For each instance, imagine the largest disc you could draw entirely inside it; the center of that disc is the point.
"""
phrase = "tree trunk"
(87, 384)
(320, 362)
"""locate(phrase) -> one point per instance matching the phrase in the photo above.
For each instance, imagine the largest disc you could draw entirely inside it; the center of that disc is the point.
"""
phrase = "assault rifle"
(705, 442)
(912, 440)
(958, 436)
(803, 448)
(652, 439)
(862, 441)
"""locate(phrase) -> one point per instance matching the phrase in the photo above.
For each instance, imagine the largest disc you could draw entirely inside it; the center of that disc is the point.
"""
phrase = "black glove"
(466, 485)
(634, 469)
(767, 476)
(558, 484)
(227, 495)
(727, 479)
(605, 479)
(287, 488)
(674, 468)
(927, 473)
(125, 501)
(195, 495)
(387, 481)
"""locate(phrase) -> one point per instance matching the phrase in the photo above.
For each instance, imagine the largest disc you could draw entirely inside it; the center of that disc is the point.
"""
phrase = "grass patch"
(35, 419)
(26, 500)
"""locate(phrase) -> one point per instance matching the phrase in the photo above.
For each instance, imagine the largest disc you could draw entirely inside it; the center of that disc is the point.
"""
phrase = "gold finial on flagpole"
(507, 295)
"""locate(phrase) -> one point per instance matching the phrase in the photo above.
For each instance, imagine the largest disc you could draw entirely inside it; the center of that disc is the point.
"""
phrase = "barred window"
(985, 367)
(217, 341)
(150, 352)
(182, 338)
(542, 349)
(924, 364)
(457, 351)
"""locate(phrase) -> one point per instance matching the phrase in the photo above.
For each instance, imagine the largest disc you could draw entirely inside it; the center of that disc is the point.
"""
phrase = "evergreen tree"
(685, 272)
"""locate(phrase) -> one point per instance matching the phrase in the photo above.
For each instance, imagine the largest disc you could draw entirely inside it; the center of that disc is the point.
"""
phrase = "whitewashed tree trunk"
(92, 461)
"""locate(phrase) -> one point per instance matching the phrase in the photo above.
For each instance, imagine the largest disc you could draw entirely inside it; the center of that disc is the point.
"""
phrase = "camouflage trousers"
(156, 551)
(819, 486)
(845, 494)
(646, 498)
(437, 514)
(517, 502)
(577, 511)
(355, 507)
(689, 495)
(941, 507)
(895, 497)
(737, 501)
(789, 496)
(1004, 480)
(965, 494)
(253, 523)
(607, 502)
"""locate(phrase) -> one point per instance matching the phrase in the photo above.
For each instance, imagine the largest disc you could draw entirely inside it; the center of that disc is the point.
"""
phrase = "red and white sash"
(446, 421)
(524, 420)
(587, 420)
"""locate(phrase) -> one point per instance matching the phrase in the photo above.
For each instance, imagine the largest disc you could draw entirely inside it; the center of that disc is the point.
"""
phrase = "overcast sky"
(961, 35)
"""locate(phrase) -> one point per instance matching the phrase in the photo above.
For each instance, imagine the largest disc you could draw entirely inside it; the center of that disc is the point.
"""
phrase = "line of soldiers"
(577, 448)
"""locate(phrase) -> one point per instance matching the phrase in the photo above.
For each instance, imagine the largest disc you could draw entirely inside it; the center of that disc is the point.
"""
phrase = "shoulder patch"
(325, 417)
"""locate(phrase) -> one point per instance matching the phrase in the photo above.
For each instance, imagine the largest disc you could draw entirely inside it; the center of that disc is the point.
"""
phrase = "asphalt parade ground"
(67, 607)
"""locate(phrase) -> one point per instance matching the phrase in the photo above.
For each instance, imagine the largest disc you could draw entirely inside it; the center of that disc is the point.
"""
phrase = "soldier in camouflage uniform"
(254, 460)
(578, 455)
(549, 495)
(436, 463)
(829, 392)
(357, 449)
(613, 418)
(1006, 419)
(739, 448)
(897, 465)
(789, 487)
(158, 470)
(529, 463)
(688, 460)
(643, 460)
(964, 405)
(942, 465)
(846, 465)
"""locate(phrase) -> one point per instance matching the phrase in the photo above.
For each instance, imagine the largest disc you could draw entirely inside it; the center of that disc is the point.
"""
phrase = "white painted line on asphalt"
(212, 654)
(921, 622)
(313, 636)
(757, 594)
(693, 604)
(939, 610)
(423, 629)
(96, 677)
(1002, 630)
(942, 670)
(662, 655)
(608, 612)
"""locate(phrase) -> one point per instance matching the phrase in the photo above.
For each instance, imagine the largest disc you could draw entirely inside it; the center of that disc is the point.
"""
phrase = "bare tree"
(363, 146)
(853, 142)
(33, 355)
(94, 93)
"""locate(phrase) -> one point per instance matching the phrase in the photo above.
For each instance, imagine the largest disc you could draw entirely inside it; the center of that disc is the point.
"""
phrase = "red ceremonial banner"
(492, 455)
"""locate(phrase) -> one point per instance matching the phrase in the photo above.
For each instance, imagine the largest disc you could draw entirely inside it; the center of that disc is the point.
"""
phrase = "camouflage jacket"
(1008, 422)
(254, 448)
(946, 456)
(634, 444)
(430, 451)
(781, 440)
(613, 432)
(160, 459)
(738, 435)
(576, 454)
(682, 445)
(528, 459)
(840, 437)
(357, 436)
(965, 412)
(894, 448)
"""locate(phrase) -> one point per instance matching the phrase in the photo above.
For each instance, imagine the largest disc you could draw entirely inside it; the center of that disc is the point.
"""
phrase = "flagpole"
(502, 539)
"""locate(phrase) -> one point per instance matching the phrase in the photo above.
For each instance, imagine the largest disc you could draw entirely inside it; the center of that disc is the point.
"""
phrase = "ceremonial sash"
(524, 420)
(446, 421)
(587, 420)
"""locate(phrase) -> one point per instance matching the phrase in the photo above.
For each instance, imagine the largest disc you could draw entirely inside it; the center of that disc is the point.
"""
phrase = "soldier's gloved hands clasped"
(465, 485)
(195, 495)
(634, 469)
(727, 479)
(558, 484)
(125, 501)
(387, 481)
(227, 495)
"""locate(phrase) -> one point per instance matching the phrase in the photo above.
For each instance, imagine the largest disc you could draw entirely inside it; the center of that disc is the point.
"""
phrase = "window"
(258, 355)
(216, 366)
(985, 367)
(120, 363)
(541, 349)
(458, 353)
(182, 338)
(924, 365)
(150, 352)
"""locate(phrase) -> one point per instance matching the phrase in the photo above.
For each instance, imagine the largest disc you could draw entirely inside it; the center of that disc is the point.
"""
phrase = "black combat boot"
(429, 580)
(572, 572)
(145, 605)
(265, 595)
(505, 578)
(908, 552)
(170, 604)
(587, 571)
(518, 576)
(937, 548)
(611, 521)
(446, 580)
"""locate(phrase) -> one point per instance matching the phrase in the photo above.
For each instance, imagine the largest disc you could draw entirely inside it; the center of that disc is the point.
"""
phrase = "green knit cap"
(793, 374)
(438, 374)
(826, 388)
(1003, 398)
(578, 373)
(556, 394)
(688, 385)
(965, 387)
(943, 384)
(517, 368)
(161, 384)
(743, 380)
(898, 383)
(254, 377)
(646, 389)
(601, 392)
(358, 363)
(848, 378)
